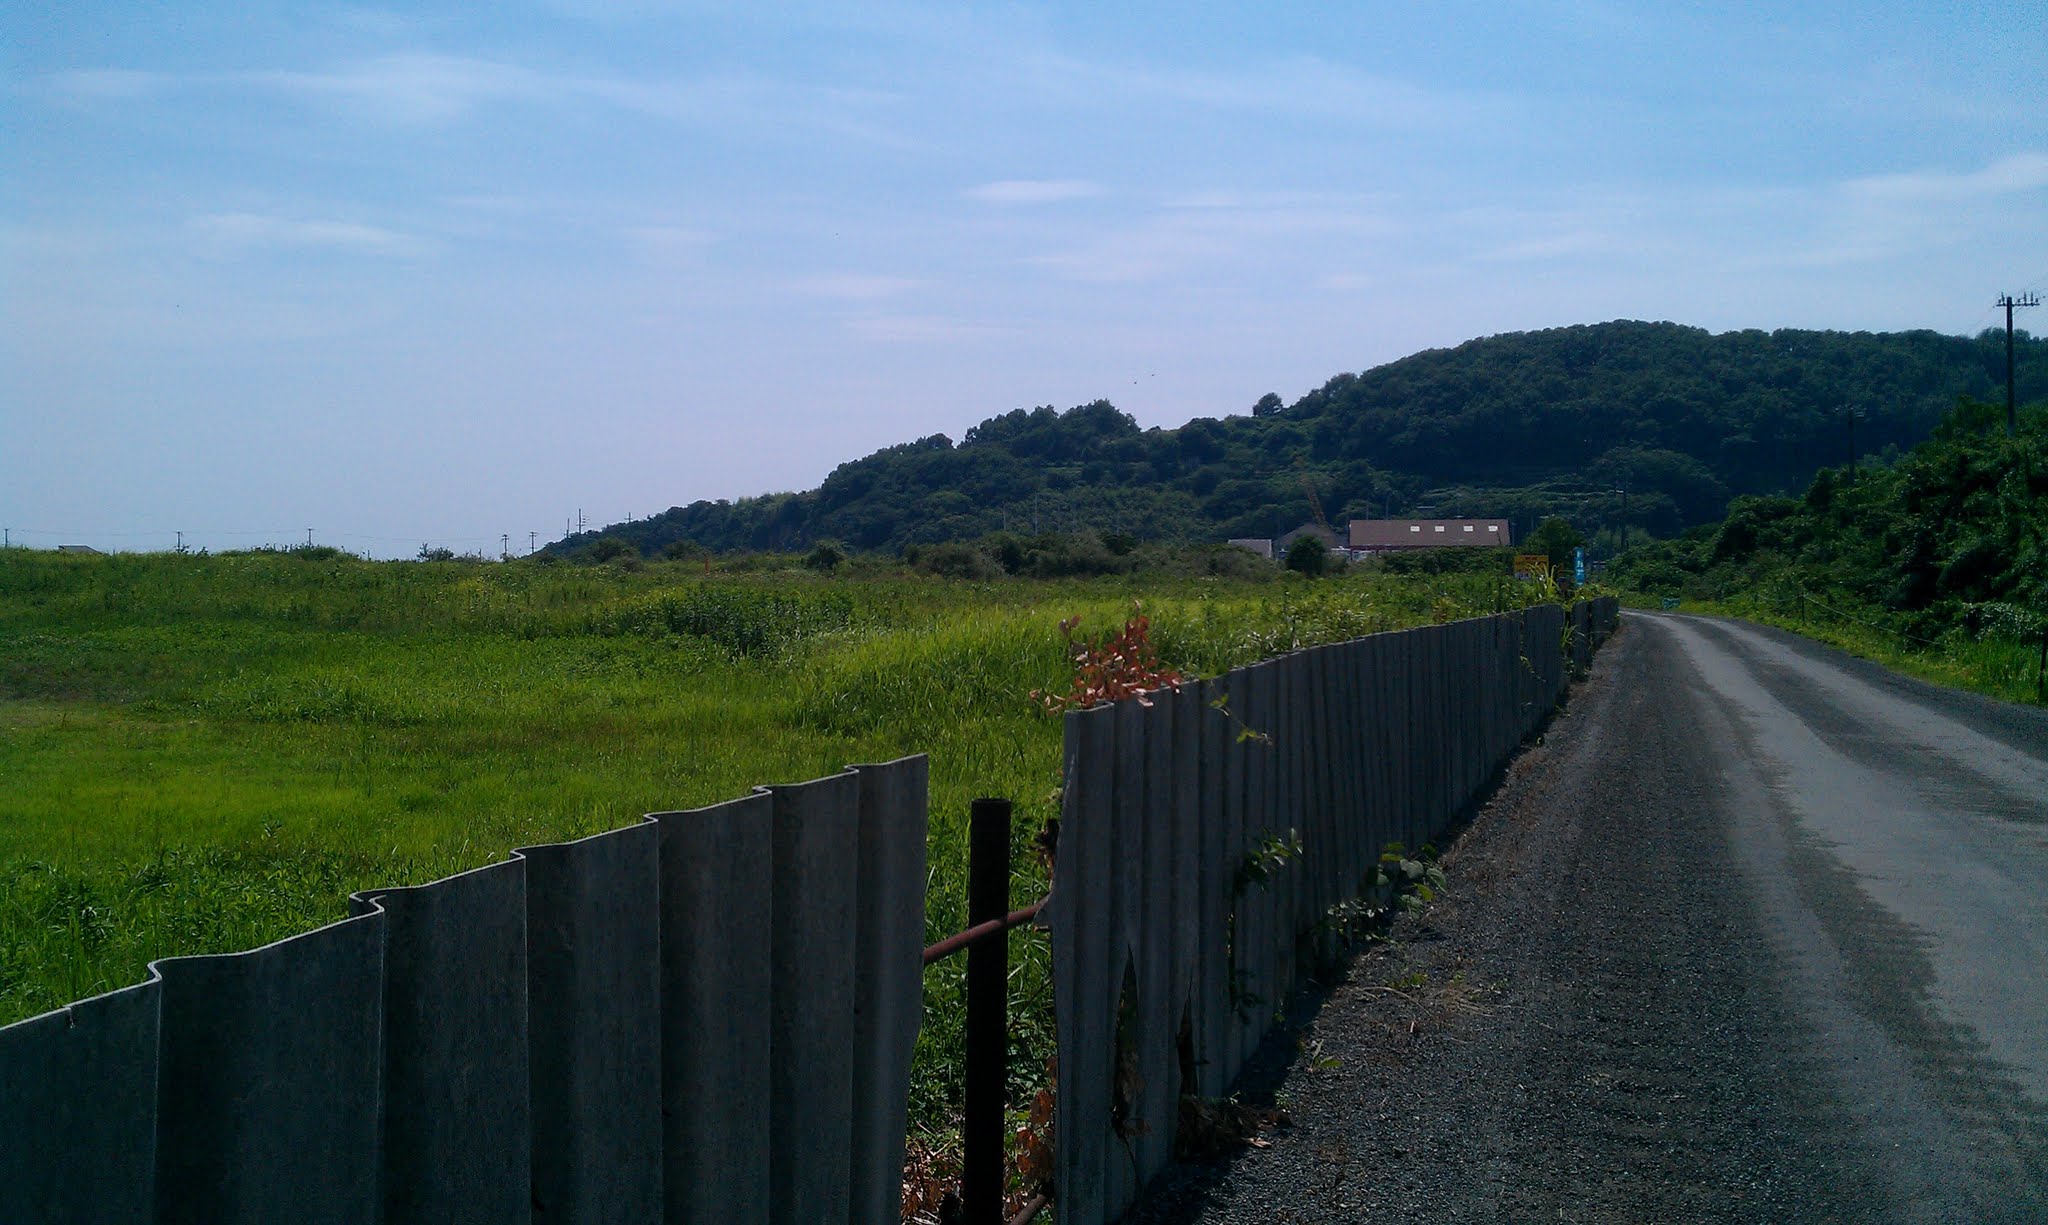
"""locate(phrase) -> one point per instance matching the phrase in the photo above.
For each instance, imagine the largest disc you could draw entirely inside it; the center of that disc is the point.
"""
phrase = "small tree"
(1555, 539)
(605, 548)
(1310, 556)
(826, 555)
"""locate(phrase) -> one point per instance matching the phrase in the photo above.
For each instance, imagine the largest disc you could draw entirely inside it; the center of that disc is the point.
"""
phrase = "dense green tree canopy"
(1954, 530)
(1652, 422)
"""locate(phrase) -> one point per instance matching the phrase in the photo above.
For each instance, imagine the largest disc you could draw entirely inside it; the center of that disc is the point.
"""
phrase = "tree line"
(1649, 426)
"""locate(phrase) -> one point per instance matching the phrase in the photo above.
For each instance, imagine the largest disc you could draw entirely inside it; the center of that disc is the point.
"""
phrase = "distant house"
(1257, 544)
(1398, 535)
(79, 548)
(1317, 530)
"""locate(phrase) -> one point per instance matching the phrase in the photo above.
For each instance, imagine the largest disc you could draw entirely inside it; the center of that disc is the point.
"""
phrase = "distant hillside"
(1519, 426)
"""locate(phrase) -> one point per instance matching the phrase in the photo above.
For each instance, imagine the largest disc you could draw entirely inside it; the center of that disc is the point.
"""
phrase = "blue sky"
(434, 274)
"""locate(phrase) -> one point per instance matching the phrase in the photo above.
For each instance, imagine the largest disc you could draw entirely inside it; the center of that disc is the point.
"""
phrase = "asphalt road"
(1759, 933)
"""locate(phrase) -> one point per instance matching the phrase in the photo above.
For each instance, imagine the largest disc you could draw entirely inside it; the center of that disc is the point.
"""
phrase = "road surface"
(1759, 933)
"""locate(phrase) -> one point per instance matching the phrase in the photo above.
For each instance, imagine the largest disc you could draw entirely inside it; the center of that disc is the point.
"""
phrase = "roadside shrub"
(607, 548)
(745, 620)
(962, 561)
(826, 555)
(1309, 556)
(1080, 556)
(1229, 561)
(1450, 561)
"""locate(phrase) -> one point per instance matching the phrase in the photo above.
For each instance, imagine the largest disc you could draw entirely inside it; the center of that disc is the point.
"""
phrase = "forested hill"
(1518, 425)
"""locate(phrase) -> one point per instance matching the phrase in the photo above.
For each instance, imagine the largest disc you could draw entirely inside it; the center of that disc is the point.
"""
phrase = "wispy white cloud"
(26, 242)
(1880, 217)
(1301, 86)
(1565, 245)
(2017, 173)
(1212, 229)
(669, 239)
(108, 84)
(919, 329)
(855, 287)
(237, 232)
(428, 89)
(1033, 191)
(413, 87)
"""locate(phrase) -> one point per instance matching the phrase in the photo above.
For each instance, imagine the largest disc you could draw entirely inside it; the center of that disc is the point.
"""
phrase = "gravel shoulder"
(1602, 1022)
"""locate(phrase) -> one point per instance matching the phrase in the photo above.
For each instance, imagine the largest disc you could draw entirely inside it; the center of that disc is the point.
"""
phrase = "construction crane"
(1315, 504)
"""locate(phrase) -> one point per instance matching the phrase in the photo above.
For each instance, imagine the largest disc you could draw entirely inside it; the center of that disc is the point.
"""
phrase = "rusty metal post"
(988, 972)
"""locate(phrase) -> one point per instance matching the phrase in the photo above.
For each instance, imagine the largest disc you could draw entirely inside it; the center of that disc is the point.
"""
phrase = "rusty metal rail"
(981, 931)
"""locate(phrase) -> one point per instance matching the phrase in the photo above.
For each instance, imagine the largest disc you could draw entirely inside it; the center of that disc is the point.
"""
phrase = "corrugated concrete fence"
(1164, 955)
(708, 1016)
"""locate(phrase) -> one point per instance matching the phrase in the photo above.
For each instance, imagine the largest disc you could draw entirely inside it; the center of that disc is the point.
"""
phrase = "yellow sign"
(1531, 566)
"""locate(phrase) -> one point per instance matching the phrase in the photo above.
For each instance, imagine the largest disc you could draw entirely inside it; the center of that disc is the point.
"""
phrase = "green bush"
(1310, 556)
(826, 555)
(608, 548)
(961, 561)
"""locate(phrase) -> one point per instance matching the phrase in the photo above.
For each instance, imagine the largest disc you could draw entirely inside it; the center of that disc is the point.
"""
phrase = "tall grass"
(1997, 663)
(203, 754)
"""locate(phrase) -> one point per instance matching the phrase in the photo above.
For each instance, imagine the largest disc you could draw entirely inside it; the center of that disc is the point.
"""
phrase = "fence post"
(988, 972)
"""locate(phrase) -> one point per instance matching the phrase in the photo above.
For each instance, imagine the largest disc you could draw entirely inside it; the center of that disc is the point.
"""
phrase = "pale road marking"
(1944, 829)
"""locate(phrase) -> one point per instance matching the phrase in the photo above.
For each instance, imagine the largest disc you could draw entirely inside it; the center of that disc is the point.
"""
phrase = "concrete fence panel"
(1159, 1009)
(457, 1124)
(717, 933)
(268, 1081)
(810, 1022)
(1190, 723)
(1210, 996)
(1087, 964)
(888, 968)
(594, 1019)
(78, 1112)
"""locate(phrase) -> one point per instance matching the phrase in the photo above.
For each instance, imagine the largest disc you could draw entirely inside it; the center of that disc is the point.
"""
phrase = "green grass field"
(203, 754)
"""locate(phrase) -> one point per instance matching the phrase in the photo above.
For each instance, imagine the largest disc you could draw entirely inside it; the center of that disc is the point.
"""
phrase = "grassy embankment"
(2007, 668)
(203, 754)
(1935, 563)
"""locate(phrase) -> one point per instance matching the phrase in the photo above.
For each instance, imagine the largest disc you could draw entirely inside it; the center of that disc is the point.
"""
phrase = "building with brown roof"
(1397, 535)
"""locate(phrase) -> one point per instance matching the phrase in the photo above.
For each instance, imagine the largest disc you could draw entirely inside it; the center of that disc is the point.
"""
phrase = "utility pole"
(504, 545)
(309, 537)
(531, 537)
(181, 542)
(2012, 412)
(1849, 415)
(579, 521)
